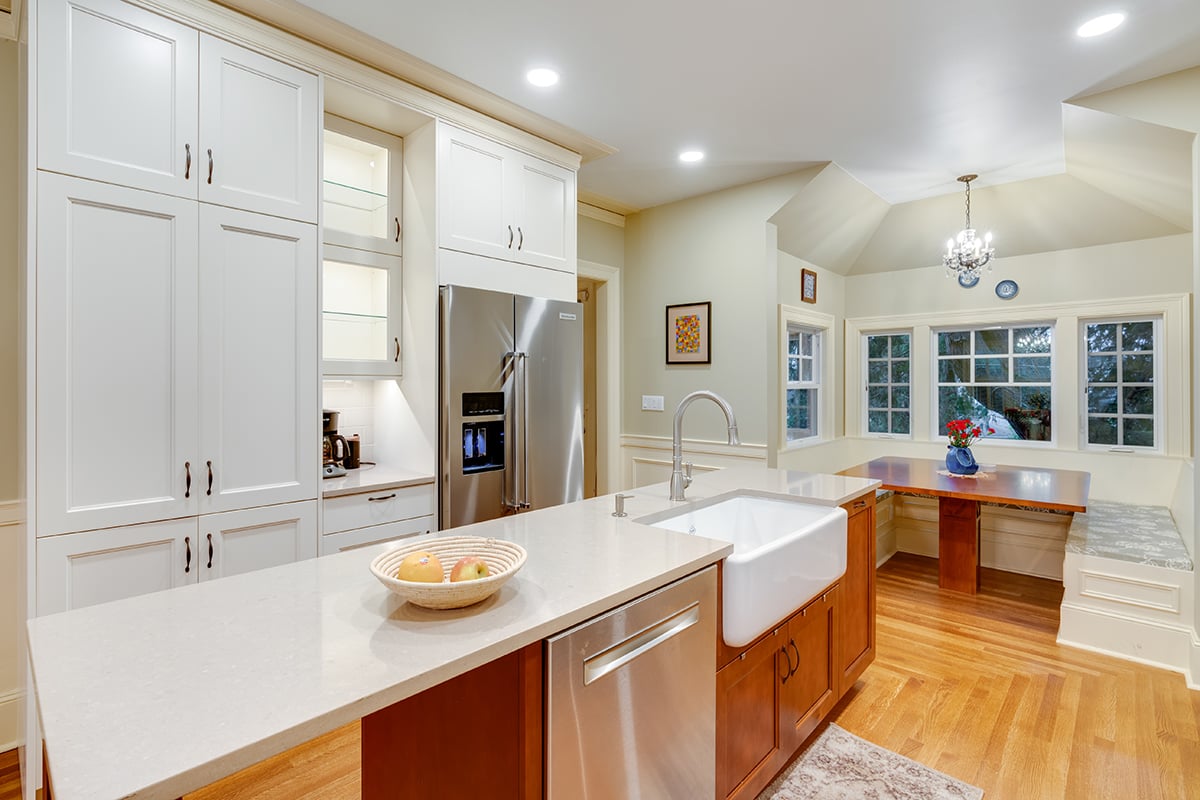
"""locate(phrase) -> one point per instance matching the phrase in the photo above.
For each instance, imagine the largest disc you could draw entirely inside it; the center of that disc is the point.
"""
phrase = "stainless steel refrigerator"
(511, 404)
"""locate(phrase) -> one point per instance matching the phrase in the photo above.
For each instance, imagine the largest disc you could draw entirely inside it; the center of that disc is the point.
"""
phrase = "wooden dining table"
(959, 498)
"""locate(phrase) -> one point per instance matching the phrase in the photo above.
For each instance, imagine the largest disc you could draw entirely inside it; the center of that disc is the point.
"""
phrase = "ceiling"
(903, 97)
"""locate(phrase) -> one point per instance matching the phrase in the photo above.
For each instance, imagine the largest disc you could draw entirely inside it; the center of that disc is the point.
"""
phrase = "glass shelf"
(351, 316)
(341, 194)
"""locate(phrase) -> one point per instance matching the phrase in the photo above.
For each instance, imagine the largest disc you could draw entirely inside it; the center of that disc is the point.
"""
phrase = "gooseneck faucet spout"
(679, 479)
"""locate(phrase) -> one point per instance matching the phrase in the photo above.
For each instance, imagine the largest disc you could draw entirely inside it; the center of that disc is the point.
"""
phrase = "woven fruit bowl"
(503, 558)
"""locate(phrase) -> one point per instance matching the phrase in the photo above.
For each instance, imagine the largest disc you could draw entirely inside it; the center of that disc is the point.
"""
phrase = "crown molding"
(602, 214)
(606, 203)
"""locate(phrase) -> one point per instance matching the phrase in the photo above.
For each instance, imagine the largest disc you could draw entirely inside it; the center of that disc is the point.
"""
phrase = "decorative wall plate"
(1006, 290)
(967, 281)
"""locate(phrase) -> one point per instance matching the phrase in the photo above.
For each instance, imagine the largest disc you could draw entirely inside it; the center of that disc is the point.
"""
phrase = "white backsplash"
(355, 400)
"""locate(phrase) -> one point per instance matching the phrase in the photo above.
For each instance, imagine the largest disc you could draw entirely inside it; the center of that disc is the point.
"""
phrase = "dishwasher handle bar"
(613, 658)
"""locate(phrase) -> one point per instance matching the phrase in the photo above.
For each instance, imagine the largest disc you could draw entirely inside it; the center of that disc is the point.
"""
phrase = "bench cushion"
(1141, 534)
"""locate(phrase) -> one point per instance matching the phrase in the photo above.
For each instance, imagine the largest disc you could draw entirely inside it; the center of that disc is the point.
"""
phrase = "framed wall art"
(808, 286)
(689, 333)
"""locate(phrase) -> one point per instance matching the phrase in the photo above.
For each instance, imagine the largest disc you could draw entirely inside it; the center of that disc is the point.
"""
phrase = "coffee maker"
(334, 448)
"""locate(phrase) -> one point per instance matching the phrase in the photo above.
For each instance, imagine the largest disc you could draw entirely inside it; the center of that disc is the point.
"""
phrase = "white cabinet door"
(473, 176)
(360, 313)
(545, 211)
(117, 95)
(362, 186)
(498, 202)
(82, 569)
(259, 126)
(259, 384)
(116, 356)
(256, 538)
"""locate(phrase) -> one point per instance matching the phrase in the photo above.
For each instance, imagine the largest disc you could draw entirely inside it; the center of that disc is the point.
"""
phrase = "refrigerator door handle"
(508, 476)
(524, 367)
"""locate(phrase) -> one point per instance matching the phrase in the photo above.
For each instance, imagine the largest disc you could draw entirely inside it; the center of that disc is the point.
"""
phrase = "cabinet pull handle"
(187, 542)
(210, 166)
(187, 166)
(521, 238)
(397, 358)
(377, 499)
(187, 480)
(784, 677)
(210, 551)
(510, 236)
(397, 229)
(861, 504)
(210, 479)
(796, 650)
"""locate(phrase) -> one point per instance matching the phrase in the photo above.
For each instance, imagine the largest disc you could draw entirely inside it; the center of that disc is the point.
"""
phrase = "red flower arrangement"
(963, 432)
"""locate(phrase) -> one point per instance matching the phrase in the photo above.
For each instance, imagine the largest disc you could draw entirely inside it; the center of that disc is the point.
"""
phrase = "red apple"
(469, 568)
(421, 567)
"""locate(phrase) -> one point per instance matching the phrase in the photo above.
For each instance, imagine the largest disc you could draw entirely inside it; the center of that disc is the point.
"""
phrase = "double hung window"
(803, 389)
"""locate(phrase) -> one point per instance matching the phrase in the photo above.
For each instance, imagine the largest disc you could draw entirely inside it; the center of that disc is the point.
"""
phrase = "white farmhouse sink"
(784, 553)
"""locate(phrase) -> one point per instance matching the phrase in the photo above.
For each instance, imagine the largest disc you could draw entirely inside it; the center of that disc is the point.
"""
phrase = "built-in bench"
(1128, 585)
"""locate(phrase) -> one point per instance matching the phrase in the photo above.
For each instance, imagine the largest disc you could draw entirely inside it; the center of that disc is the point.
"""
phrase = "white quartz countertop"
(371, 478)
(158, 695)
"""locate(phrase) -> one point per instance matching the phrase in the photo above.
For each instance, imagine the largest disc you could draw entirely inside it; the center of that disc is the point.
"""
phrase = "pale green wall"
(601, 242)
(719, 248)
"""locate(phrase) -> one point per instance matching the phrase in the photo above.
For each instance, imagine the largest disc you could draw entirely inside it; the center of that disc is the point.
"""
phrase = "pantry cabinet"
(176, 357)
(82, 569)
(499, 202)
(129, 97)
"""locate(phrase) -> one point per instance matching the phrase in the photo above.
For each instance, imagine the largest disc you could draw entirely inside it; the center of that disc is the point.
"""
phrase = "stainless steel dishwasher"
(631, 700)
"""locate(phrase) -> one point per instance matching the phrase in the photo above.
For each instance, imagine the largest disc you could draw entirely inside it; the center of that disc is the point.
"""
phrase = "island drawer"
(376, 508)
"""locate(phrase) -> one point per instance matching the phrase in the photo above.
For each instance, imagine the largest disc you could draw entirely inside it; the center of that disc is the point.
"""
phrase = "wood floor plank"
(975, 686)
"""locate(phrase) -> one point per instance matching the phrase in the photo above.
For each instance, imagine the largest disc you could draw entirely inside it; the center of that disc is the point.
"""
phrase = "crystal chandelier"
(966, 256)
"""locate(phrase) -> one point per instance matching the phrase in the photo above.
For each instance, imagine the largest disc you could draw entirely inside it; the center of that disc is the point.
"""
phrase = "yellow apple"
(422, 567)
(469, 568)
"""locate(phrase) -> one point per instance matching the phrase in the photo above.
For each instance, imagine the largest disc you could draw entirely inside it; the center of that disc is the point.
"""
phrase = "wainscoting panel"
(647, 459)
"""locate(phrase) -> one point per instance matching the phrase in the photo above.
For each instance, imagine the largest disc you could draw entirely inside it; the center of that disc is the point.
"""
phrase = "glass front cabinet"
(361, 279)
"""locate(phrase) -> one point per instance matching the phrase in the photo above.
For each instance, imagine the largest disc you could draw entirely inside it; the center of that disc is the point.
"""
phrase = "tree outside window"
(888, 384)
(1120, 378)
(1000, 378)
(803, 382)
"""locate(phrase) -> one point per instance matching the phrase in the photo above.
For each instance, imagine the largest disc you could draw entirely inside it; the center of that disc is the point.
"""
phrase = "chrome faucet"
(680, 480)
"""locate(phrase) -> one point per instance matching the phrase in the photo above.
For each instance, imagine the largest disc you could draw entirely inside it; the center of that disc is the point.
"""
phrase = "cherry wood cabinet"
(748, 730)
(812, 685)
(856, 617)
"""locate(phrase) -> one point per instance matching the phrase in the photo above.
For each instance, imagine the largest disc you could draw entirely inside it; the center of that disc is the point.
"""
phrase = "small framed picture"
(689, 333)
(808, 286)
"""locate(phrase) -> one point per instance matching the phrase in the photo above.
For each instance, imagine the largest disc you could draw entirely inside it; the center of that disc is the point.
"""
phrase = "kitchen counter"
(161, 694)
(372, 478)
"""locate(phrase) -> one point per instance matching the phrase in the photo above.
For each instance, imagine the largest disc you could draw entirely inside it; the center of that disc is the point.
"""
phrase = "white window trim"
(791, 315)
(1159, 377)
(864, 425)
(1175, 310)
(934, 383)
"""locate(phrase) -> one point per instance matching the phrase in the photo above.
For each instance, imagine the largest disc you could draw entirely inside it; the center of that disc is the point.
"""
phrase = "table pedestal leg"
(958, 544)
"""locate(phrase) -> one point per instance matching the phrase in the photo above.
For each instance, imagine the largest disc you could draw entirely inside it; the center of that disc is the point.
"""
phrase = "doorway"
(599, 290)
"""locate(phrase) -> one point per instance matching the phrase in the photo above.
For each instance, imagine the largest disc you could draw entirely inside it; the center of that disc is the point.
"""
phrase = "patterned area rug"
(841, 766)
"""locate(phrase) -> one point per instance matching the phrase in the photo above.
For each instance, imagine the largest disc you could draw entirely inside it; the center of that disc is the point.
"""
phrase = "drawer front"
(376, 534)
(377, 508)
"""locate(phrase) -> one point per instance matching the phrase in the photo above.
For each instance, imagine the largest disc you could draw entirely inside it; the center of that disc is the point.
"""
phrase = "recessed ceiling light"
(691, 156)
(1100, 25)
(542, 76)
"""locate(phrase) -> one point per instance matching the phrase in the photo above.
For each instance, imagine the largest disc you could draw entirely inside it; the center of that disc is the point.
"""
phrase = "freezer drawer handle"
(597, 666)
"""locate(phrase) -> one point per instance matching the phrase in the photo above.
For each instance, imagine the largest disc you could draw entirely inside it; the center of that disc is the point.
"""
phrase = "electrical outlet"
(652, 402)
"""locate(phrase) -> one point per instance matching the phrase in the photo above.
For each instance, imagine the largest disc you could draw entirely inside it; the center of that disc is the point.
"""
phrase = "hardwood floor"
(10, 776)
(974, 686)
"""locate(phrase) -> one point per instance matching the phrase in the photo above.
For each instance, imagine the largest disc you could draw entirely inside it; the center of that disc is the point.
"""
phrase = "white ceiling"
(904, 97)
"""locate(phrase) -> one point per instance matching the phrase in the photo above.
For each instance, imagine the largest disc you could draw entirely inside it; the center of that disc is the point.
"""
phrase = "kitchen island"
(161, 694)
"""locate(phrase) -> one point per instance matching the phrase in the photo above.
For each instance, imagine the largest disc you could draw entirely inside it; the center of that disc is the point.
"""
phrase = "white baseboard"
(10, 719)
(1155, 644)
(1193, 676)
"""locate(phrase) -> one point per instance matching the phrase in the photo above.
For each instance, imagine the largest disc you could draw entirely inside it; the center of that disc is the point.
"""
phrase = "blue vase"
(960, 461)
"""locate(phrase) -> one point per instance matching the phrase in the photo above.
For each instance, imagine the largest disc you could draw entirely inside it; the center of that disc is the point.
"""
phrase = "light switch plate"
(652, 402)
